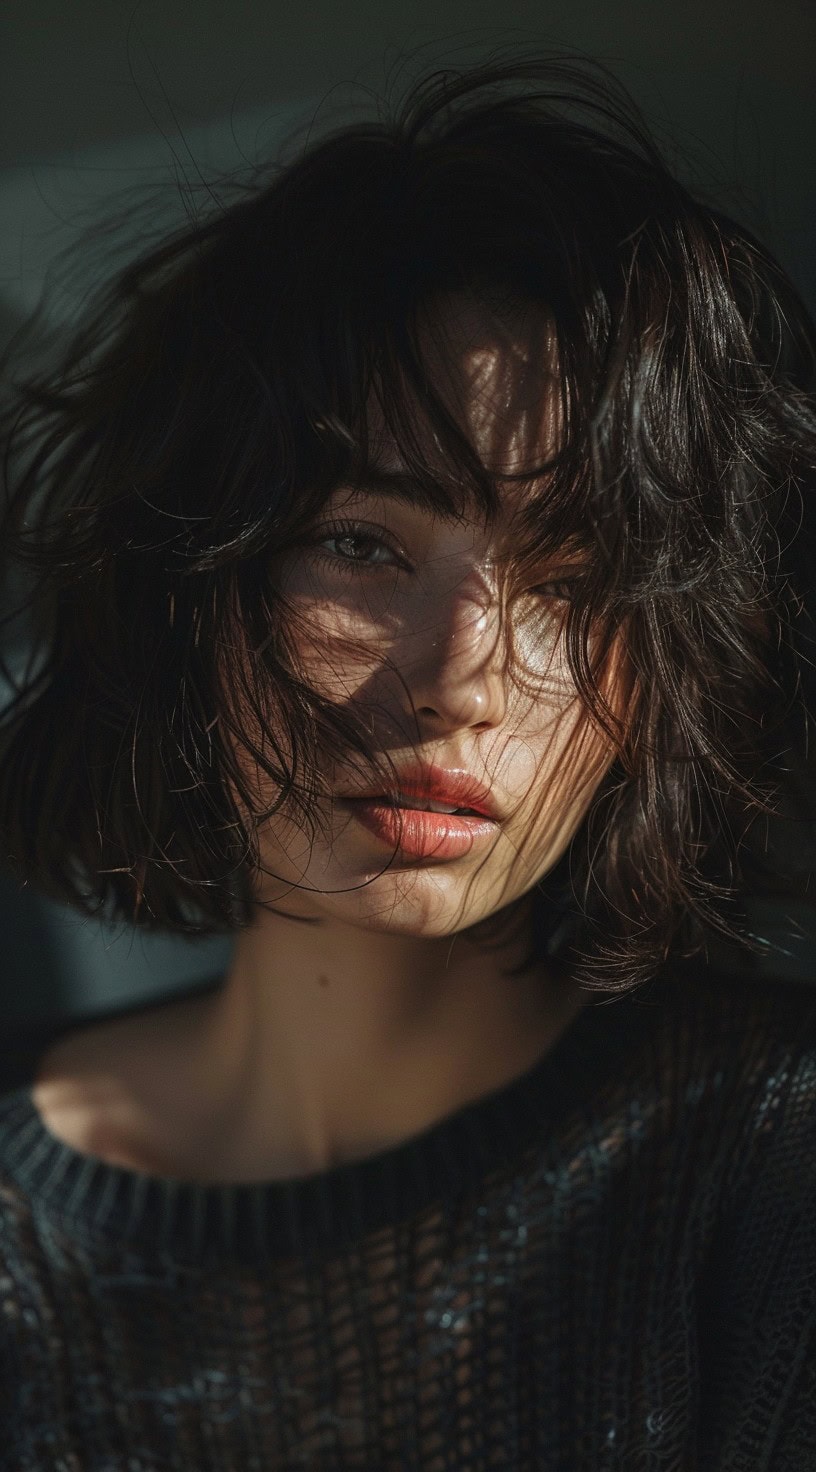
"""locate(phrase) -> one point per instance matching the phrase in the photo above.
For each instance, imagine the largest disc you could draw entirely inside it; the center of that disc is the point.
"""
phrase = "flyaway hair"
(214, 394)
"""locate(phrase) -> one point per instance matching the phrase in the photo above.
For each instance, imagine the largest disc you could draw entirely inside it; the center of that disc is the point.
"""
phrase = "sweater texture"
(607, 1265)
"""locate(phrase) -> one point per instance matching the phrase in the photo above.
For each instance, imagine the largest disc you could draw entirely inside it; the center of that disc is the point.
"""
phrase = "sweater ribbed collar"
(318, 1214)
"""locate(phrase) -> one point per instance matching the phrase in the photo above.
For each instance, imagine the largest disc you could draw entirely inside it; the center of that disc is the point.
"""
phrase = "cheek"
(566, 756)
(337, 663)
(341, 640)
(569, 751)
(572, 761)
(538, 655)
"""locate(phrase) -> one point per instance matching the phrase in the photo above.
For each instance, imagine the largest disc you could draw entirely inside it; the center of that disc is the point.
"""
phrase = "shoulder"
(99, 1085)
(31, 1049)
(759, 1022)
(729, 1064)
(752, 1061)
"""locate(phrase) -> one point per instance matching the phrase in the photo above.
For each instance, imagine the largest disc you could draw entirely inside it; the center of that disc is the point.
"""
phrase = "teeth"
(425, 807)
(401, 801)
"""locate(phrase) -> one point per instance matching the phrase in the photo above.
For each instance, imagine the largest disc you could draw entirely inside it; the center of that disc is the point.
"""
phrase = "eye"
(562, 591)
(354, 543)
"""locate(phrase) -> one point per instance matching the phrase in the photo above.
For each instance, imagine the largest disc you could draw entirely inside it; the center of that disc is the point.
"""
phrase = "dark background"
(99, 95)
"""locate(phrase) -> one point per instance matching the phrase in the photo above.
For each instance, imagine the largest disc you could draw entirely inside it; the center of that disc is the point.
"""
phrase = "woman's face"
(397, 613)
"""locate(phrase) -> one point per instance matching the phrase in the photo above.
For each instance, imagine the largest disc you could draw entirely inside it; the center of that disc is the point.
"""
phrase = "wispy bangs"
(219, 389)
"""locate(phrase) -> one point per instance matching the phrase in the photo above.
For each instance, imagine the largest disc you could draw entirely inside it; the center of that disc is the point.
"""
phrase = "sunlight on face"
(399, 613)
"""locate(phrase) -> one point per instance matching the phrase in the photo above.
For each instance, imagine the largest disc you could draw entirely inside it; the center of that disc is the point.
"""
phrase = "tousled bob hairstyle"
(196, 419)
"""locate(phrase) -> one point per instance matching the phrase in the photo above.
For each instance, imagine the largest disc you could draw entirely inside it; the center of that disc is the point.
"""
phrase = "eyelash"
(340, 531)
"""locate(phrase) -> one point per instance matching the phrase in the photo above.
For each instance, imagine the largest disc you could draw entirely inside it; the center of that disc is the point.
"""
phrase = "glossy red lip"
(453, 786)
(418, 834)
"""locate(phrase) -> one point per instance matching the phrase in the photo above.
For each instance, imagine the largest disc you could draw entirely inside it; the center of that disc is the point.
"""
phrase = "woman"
(416, 551)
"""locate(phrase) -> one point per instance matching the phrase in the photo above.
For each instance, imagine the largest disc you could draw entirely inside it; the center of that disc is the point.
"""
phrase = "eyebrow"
(400, 485)
(397, 485)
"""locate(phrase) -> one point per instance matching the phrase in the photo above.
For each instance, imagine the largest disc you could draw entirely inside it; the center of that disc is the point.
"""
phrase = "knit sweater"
(607, 1263)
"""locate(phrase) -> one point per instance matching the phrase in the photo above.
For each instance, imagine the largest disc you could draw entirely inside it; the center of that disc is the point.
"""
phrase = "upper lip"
(450, 785)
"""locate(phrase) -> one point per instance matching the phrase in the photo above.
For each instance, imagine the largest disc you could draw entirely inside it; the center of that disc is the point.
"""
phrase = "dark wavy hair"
(214, 394)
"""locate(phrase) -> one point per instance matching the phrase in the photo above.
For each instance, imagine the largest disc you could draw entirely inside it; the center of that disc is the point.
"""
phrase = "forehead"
(496, 376)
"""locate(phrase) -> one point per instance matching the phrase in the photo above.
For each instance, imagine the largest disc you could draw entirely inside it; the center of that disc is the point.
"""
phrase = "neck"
(330, 1040)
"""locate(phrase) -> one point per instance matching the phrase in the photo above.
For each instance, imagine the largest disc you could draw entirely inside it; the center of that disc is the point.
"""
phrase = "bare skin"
(188, 1091)
(333, 1040)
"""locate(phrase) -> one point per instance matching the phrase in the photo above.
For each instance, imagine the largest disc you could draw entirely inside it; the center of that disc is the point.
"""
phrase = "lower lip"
(422, 835)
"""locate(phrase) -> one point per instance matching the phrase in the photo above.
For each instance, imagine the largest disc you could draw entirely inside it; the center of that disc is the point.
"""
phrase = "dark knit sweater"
(608, 1263)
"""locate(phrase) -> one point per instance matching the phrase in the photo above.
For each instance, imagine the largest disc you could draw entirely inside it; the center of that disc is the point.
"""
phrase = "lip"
(452, 785)
(421, 835)
(426, 835)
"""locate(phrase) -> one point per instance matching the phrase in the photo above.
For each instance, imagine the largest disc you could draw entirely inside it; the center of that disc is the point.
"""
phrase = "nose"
(455, 667)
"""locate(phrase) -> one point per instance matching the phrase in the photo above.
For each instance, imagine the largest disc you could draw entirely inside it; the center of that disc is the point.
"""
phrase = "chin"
(422, 902)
